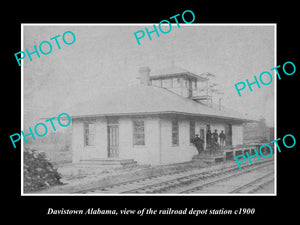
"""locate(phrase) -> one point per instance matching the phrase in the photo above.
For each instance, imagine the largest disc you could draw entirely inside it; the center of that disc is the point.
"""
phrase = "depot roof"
(142, 99)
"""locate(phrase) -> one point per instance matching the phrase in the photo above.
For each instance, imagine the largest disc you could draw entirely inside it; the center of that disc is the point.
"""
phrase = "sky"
(107, 57)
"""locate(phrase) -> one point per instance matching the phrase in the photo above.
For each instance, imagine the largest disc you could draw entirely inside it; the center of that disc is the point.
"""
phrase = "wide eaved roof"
(174, 71)
(143, 99)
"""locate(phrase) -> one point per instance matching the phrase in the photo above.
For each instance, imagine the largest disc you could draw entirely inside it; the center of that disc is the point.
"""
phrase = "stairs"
(109, 162)
(209, 158)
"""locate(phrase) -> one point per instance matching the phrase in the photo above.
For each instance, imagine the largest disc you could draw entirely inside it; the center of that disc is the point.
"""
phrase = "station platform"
(228, 153)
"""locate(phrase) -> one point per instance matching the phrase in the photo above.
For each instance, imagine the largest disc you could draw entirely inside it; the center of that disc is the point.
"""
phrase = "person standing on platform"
(208, 140)
(222, 139)
(215, 137)
(198, 142)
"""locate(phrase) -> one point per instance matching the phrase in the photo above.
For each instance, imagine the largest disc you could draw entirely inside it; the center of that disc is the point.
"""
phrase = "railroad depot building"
(152, 122)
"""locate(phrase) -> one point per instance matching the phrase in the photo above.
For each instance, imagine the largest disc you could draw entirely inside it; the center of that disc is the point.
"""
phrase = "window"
(190, 88)
(138, 132)
(185, 82)
(194, 84)
(192, 131)
(208, 127)
(175, 133)
(89, 134)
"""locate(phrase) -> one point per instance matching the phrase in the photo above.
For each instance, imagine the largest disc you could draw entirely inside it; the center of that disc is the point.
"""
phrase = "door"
(202, 134)
(228, 135)
(113, 140)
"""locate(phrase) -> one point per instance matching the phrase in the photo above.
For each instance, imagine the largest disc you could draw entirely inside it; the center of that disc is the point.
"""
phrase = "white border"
(275, 107)
(149, 24)
(22, 115)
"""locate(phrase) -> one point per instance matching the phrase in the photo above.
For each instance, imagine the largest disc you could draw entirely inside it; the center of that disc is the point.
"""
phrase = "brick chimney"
(145, 75)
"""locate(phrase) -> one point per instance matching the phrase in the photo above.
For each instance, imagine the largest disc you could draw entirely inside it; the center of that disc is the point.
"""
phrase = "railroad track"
(226, 177)
(256, 184)
(176, 185)
(165, 182)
